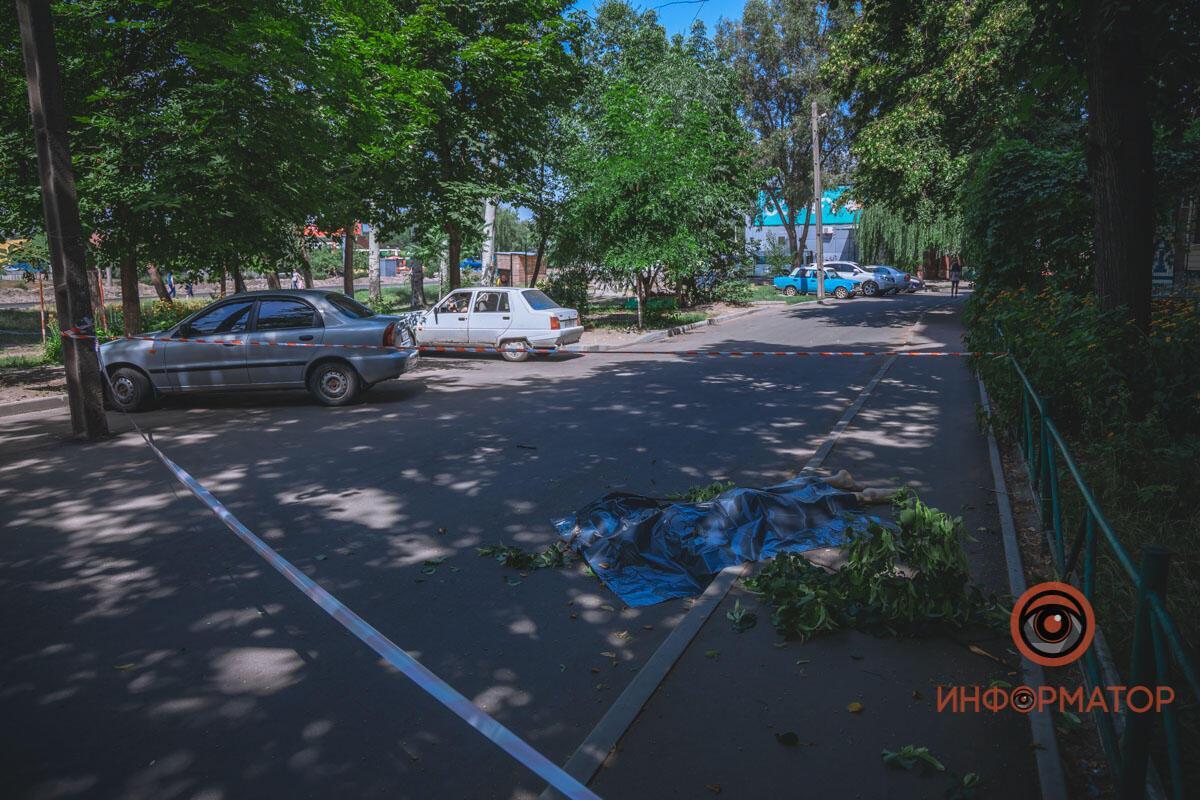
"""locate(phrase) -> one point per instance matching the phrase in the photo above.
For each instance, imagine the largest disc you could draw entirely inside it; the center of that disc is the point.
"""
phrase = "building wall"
(840, 245)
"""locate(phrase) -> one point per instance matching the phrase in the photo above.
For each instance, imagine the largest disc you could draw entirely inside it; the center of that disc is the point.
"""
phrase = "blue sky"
(677, 16)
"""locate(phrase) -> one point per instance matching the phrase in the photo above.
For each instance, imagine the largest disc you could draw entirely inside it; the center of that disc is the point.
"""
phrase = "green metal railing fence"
(1158, 654)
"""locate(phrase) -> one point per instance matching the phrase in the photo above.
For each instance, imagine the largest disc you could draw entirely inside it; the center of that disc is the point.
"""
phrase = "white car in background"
(873, 284)
(512, 320)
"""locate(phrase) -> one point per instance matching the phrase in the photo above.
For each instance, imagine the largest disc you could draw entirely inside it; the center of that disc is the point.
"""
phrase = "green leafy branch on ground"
(909, 757)
(702, 493)
(553, 557)
(896, 580)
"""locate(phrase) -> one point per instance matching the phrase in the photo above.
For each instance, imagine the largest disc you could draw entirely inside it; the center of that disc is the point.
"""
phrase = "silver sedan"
(275, 339)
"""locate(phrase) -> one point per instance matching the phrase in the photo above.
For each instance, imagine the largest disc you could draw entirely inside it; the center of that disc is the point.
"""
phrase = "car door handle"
(306, 337)
(506, 317)
(461, 319)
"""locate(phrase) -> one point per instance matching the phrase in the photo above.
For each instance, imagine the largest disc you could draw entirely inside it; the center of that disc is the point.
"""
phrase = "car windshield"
(348, 306)
(538, 300)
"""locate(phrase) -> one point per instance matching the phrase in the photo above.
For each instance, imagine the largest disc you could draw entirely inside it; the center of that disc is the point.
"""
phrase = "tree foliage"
(656, 169)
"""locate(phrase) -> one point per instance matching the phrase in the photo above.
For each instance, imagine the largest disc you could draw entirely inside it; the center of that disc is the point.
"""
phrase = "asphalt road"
(148, 653)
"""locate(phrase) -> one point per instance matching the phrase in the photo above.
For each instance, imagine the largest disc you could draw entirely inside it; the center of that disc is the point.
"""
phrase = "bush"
(568, 287)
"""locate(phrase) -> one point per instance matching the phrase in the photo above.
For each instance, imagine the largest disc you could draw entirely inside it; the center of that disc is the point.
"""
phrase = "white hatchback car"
(513, 320)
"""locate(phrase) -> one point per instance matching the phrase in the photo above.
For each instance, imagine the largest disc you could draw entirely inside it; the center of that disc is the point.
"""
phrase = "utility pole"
(819, 260)
(72, 295)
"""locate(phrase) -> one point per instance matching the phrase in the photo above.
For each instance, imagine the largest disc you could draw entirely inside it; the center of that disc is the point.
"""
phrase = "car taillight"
(389, 335)
(554, 323)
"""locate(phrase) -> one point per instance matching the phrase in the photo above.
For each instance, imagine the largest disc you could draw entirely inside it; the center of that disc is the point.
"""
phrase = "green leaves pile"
(895, 581)
(509, 555)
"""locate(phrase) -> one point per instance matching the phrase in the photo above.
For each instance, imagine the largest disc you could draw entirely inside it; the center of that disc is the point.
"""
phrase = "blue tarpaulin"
(647, 550)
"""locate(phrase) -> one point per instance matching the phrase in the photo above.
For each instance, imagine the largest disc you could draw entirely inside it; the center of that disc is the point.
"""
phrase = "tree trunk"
(640, 290)
(453, 256)
(1120, 157)
(60, 206)
(537, 260)
(156, 281)
(131, 302)
(417, 286)
(305, 267)
(99, 312)
(224, 279)
(348, 261)
(239, 283)
(272, 277)
(373, 288)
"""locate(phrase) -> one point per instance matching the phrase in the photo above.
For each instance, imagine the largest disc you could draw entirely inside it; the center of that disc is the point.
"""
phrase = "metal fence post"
(1139, 728)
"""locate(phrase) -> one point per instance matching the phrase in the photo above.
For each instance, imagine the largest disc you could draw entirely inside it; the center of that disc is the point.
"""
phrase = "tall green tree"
(499, 65)
(777, 51)
(658, 170)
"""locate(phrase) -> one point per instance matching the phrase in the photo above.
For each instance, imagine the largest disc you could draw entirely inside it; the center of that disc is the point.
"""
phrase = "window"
(348, 306)
(491, 302)
(538, 300)
(227, 318)
(276, 315)
(456, 302)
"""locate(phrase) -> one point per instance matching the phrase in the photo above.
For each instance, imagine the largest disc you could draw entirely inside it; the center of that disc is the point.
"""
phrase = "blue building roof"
(768, 214)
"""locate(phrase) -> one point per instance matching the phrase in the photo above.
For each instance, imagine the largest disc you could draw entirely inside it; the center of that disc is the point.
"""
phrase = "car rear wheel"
(515, 351)
(840, 293)
(870, 288)
(790, 291)
(334, 383)
(130, 389)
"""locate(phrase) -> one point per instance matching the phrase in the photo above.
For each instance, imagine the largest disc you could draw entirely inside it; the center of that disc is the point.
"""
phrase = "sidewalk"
(710, 727)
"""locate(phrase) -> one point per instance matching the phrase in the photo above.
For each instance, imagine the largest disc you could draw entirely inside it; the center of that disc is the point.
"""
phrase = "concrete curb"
(30, 406)
(1051, 780)
(658, 336)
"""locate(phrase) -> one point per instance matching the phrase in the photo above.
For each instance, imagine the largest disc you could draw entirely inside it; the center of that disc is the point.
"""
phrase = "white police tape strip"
(437, 688)
(388, 650)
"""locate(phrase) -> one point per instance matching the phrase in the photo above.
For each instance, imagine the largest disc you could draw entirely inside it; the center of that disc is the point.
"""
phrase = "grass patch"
(20, 319)
(25, 361)
(768, 292)
(627, 320)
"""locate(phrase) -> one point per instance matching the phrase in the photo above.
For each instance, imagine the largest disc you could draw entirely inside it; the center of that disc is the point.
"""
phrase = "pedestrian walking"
(170, 286)
(295, 279)
(955, 277)
(187, 290)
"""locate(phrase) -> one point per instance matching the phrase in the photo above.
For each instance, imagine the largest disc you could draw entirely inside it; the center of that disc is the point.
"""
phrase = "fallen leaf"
(511, 581)
(607, 607)
(856, 656)
(715, 788)
(916, 695)
(429, 570)
(124, 667)
(433, 562)
(712, 653)
(788, 739)
(574, 616)
(608, 654)
(562, 667)
(322, 557)
(623, 634)
(780, 644)
(441, 530)
(648, 627)
(803, 661)
(595, 670)
(527, 447)
(855, 707)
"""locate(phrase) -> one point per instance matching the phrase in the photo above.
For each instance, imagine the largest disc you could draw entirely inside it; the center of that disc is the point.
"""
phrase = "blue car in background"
(803, 280)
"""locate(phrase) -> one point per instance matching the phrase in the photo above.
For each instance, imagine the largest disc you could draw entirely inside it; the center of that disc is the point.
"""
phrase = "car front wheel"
(790, 291)
(840, 293)
(870, 288)
(334, 383)
(130, 389)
